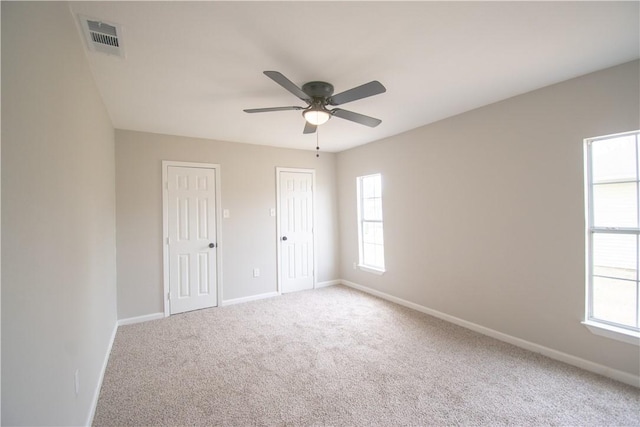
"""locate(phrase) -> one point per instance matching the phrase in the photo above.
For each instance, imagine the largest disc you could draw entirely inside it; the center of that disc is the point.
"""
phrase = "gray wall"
(248, 235)
(58, 220)
(484, 212)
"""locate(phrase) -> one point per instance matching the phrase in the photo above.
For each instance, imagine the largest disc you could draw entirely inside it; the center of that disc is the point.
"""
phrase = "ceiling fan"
(318, 95)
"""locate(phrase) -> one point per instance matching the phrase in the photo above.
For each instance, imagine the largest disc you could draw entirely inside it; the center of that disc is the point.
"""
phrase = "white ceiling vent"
(101, 36)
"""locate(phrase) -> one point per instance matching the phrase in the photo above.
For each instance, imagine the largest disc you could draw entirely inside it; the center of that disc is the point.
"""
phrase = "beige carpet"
(336, 356)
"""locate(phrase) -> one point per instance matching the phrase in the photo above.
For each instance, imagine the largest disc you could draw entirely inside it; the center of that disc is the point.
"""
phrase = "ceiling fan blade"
(265, 110)
(362, 91)
(287, 84)
(309, 128)
(356, 117)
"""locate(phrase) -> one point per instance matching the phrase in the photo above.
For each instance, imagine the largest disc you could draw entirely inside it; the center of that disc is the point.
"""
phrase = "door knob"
(212, 245)
(284, 238)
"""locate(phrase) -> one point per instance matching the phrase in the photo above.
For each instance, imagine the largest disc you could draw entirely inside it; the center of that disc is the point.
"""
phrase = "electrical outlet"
(76, 379)
(272, 212)
(354, 265)
(225, 213)
(256, 272)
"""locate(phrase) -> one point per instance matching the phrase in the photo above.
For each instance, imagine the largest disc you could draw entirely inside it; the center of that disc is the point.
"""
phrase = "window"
(370, 231)
(613, 231)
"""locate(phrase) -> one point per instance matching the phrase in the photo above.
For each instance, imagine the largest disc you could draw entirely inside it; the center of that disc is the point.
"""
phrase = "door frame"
(313, 224)
(165, 227)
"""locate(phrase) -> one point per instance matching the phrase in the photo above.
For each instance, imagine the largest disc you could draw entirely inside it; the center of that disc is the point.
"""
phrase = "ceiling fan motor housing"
(318, 89)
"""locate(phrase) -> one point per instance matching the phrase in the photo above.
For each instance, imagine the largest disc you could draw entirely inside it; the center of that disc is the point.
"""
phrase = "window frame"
(602, 327)
(375, 269)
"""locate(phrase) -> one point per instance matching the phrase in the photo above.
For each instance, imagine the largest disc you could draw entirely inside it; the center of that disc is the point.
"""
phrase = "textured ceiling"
(192, 67)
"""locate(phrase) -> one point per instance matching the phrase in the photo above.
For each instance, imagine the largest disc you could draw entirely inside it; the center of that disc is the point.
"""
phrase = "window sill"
(371, 270)
(612, 332)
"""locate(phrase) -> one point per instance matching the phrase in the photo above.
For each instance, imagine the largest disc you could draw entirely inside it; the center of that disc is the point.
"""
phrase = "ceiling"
(192, 67)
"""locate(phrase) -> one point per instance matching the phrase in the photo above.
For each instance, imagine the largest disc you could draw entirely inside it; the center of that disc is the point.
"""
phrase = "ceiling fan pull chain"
(317, 144)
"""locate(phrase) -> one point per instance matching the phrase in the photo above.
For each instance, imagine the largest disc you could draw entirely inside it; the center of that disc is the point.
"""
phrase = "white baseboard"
(249, 298)
(140, 319)
(328, 283)
(96, 392)
(624, 377)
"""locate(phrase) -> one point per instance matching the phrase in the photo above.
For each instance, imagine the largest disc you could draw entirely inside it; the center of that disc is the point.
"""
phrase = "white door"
(296, 230)
(192, 241)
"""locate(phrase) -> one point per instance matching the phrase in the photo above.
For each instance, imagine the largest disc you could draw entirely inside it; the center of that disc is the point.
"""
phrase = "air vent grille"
(104, 39)
(102, 36)
(103, 33)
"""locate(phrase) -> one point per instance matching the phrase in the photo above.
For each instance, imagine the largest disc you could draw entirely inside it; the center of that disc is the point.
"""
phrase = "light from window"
(370, 229)
(613, 230)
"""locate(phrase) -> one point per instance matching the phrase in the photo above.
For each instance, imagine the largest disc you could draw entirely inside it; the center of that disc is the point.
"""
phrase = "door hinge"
(166, 185)
(168, 240)
(168, 295)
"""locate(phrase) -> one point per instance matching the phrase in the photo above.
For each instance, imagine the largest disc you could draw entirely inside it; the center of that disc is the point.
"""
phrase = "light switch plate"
(225, 213)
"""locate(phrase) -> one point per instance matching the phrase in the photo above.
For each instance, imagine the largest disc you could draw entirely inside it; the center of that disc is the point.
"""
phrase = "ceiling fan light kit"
(318, 95)
(316, 116)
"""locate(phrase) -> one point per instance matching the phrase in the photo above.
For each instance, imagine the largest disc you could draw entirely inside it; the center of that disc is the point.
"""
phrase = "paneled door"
(192, 243)
(295, 219)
